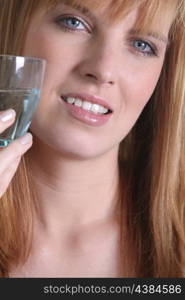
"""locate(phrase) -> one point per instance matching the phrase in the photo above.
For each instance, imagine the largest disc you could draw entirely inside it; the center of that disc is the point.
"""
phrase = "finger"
(7, 118)
(14, 150)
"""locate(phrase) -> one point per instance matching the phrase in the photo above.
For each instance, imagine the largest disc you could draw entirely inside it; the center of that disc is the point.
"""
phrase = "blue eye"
(71, 23)
(143, 47)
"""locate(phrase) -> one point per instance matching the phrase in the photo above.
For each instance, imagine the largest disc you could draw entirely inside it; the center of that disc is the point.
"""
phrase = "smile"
(88, 109)
(86, 105)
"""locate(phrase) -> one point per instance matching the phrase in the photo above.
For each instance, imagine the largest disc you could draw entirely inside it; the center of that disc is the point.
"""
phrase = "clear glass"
(21, 80)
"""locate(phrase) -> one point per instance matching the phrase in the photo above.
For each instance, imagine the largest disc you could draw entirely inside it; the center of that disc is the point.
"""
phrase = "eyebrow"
(84, 10)
(154, 34)
(81, 8)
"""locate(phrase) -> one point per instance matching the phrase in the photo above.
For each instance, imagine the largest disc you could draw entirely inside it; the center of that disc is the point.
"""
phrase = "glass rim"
(25, 57)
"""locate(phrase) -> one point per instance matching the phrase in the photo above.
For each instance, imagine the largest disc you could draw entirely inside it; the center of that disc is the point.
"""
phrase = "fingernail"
(26, 138)
(7, 115)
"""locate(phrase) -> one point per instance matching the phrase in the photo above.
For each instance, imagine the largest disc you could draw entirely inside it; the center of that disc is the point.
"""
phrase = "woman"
(100, 193)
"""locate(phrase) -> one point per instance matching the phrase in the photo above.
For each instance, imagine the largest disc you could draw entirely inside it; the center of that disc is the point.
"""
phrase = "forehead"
(151, 13)
(116, 9)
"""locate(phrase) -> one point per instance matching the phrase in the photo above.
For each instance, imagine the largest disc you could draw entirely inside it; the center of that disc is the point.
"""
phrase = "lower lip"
(85, 116)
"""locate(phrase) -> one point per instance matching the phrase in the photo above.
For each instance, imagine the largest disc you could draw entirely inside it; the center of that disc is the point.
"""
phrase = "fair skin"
(74, 163)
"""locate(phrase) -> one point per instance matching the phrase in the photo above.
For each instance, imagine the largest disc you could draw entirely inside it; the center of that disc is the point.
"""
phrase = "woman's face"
(99, 77)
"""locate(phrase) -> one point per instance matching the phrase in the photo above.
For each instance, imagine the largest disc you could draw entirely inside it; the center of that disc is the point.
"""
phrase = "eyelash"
(61, 21)
(151, 52)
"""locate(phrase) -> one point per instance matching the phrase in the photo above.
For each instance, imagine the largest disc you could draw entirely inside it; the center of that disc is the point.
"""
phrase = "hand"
(10, 155)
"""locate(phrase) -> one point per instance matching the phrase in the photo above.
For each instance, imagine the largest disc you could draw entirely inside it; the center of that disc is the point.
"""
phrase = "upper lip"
(90, 98)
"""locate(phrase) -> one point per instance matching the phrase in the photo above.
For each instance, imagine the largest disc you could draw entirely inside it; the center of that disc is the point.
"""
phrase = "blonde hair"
(151, 157)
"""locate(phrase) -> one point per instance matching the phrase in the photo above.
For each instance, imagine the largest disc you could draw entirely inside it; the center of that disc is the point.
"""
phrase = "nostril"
(91, 75)
(99, 80)
(110, 82)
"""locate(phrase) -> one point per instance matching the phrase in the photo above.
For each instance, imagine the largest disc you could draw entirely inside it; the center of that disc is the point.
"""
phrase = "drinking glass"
(21, 79)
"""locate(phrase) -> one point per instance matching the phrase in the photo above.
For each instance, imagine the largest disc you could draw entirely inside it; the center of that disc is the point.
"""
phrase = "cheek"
(60, 60)
(142, 86)
(137, 89)
(50, 48)
(62, 55)
(56, 47)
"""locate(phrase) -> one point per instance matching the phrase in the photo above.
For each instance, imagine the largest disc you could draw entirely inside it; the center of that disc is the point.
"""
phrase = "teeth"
(86, 105)
(95, 108)
(70, 100)
(102, 109)
(78, 102)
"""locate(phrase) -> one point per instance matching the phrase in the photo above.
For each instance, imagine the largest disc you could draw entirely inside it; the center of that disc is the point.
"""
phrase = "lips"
(88, 98)
(77, 105)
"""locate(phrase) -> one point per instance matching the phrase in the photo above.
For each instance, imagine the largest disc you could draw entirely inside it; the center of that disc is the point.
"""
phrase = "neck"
(72, 191)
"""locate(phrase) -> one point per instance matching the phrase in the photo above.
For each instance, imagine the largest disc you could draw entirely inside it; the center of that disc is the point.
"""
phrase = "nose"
(98, 65)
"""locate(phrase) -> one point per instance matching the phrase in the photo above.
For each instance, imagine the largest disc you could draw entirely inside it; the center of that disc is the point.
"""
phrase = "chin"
(82, 151)
(71, 147)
